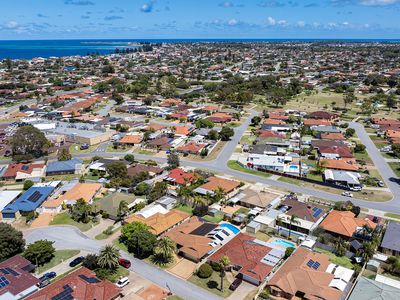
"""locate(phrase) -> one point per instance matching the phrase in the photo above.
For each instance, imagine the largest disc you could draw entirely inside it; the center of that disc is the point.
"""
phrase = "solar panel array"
(3, 282)
(25, 168)
(89, 279)
(313, 264)
(317, 211)
(35, 196)
(8, 271)
(310, 263)
(66, 294)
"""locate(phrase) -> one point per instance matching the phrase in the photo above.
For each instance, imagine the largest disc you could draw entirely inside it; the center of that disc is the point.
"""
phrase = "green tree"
(117, 170)
(224, 263)
(279, 221)
(28, 184)
(226, 133)
(108, 257)
(204, 123)
(393, 263)
(159, 190)
(11, 241)
(90, 262)
(142, 189)
(293, 220)
(28, 142)
(173, 160)
(289, 251)
(141, 243)
(64, 155)
(130, 158)
(164, 249)
(213, 135)
(255, 120)
(204, 271)
(340, 247)
(40, 252)
(80, 211)
(349, 132)
(123, 208)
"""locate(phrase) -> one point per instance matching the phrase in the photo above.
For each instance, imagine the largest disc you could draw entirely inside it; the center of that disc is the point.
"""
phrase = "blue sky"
(69, 19)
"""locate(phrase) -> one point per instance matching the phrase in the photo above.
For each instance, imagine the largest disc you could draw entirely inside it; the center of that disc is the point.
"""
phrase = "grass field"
(185, 208)
(215, 219)
(65, 219)
(119, 245)
(392, 215)
(74, 149)
(395, 167)
(59, 257)
(341, 261)
(236, 166)
(214, 277)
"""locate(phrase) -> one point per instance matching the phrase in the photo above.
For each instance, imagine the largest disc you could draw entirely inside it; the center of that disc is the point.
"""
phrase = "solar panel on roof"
(66, 294)
(35, 196)
(25, 168)
(316, 265)
(89, 279)
(315, 208)
(4, 271)
(310, 263)
(317, 213)
(12, 272)
(3, 282)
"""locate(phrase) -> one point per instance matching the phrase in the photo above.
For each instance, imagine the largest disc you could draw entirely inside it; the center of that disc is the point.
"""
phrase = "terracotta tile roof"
(277, 116)
(323, 115)
(344, 151)
(13, 169)
(243, 252)
(86, 191)
(392, 133)
(191, 244)
(213, 183)
(180, 176)
(131, 139)
(344, 223)
(20, 283)
(136, 169)
(192, 147)
(295, 276)
(269, 133)
(332, 136)
(273, 122)
(311, 122)
(184, 130)
(349, 164)
(81, 288)
(155, 127)
(385, 121)
(159, 222)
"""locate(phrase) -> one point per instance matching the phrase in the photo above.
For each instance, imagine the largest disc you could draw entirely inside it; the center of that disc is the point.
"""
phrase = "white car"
(356, 188)
(122, 282)
(347, 194)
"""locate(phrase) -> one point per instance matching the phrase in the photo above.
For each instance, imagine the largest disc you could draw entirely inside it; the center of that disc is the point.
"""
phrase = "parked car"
(84, 147)
(235, 284)
(347, 194)
(380, 183)
(76, 261)
(122, 282)
(43, 283)
(356, 188)
(124, 262)
(48, 275)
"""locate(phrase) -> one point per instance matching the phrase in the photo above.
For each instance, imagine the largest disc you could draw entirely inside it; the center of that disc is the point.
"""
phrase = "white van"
(122, 282)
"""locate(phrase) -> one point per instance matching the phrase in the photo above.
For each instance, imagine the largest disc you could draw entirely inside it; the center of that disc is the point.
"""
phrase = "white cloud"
(271, 21)
(232, 22)
(378, 2)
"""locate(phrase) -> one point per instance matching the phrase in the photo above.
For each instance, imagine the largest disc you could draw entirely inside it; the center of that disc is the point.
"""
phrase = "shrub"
(28, 184)
(212, 284)
(288, 251)
(108, 230)
(204, 271)
(215, 266)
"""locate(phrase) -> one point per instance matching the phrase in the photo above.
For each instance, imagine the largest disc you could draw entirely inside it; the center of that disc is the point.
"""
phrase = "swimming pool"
(232, 228)
(283, 243)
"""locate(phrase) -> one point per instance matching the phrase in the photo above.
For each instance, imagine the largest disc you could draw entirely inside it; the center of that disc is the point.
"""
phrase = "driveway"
(242, 291)
(68, 237)
(184, 268)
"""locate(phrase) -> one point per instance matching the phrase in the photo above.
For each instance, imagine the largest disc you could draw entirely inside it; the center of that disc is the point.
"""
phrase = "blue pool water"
(283, 243)
(232, 228)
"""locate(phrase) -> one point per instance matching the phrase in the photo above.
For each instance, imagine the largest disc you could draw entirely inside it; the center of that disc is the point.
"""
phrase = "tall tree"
(164, 249)
(123, 208)
(64, 154)
(28, 142)
(80, 211)
(173, 160)
(108, 257)
(11, 241)
(293, 220)
(224, 262)
(40, 252)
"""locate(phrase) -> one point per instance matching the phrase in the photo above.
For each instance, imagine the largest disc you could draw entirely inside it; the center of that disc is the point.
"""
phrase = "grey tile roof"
(391, 240)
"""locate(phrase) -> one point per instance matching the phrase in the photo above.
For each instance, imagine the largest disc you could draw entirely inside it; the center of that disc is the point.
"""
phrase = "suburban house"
(21, 172)
(72, 166)
(160, 144)
(178, 176)
(191, 238)
(139, 168)
(131, 140)
(214, 183)
(391, 240)
(159, 219)
(345, 224)
(369, 289)
(342, 178)
(324, 115)
(309, 275)
(251, 198)
(81, 284)
(16, 280)
(349, 164)
(251, 258)
(110, 204)
(192, 148)
(7, 197)
(31, 200)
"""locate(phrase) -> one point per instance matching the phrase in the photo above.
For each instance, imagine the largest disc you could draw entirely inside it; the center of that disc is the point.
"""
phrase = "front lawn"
(395, 167)
(232, 164)
(120, 245)
(341, 261)
(65, 219)
(59, 257)
(119, 273)
(203, 283)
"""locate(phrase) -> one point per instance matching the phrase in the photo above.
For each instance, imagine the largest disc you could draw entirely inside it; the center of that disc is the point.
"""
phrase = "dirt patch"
(184, 268)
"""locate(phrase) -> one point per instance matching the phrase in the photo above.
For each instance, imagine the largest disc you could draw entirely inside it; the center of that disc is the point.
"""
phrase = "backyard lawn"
(395, 167)
(341, 261)
(59, 257)
(65, 219)
(215, 219)
(185, 208)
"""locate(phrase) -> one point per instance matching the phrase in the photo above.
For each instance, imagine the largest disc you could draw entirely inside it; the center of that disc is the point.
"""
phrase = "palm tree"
(340, 247)
(367, 251)
(279, 220)
(219, 194)
(293, 220)
(165, 248)
(223, 262)
(123, 208)
(393, 264)
(108, 257)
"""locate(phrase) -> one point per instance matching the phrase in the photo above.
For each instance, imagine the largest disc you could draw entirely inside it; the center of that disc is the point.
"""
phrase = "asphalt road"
(66, 237)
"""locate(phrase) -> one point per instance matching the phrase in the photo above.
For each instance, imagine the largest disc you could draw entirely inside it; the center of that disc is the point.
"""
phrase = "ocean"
(29, 49)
